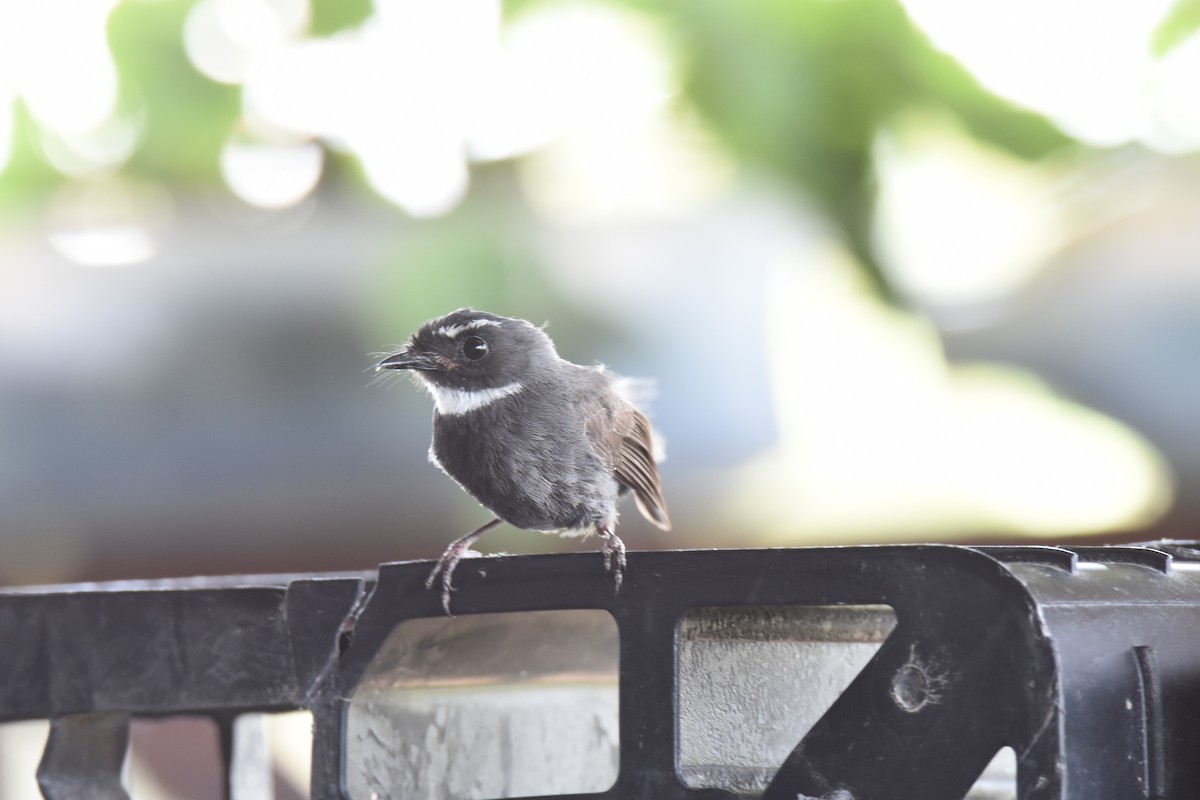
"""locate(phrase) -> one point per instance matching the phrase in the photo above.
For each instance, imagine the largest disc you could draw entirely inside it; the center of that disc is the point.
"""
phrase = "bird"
(542, 443)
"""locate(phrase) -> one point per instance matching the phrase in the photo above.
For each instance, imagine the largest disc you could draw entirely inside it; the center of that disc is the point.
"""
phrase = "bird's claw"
(613, 550)
(445, 566)
(456, 552)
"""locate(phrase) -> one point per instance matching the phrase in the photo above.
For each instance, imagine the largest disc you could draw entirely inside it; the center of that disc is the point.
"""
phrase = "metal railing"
(838, 673)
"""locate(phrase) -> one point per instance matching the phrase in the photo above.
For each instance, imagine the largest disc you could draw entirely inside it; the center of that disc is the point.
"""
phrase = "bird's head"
(471, 351)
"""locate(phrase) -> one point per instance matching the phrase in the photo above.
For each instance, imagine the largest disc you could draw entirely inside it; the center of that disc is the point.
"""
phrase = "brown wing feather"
(622, 434)
(636, 469)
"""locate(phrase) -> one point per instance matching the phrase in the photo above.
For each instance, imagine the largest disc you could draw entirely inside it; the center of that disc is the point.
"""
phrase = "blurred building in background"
(902, 271)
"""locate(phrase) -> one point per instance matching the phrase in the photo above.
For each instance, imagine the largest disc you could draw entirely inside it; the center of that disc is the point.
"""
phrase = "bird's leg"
(457, 550)
(613, 550)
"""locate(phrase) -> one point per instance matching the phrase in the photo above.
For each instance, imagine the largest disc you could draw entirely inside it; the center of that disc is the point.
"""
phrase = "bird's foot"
(613, 550)
(445, 567)
(456, 552)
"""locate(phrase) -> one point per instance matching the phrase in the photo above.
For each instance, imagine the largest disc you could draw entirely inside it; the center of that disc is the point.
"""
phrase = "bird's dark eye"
(475, 348)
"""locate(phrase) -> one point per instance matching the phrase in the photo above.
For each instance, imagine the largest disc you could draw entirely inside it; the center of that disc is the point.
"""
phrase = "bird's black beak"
(409, 359)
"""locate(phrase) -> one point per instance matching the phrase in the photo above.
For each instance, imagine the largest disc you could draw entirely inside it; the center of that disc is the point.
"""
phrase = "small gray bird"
(542, 443)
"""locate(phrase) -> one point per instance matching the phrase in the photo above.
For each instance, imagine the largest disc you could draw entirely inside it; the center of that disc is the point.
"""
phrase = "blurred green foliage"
(187, 117)
(800, 89)
(479, 255)
(331, 16)
(1181, 22)
(28, 177)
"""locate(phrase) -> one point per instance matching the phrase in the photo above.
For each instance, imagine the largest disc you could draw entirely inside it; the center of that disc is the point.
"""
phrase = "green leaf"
(1181, 22)
(331, 16)
(187, 116)
(28, 178)
(802, 88)
(1000, 123)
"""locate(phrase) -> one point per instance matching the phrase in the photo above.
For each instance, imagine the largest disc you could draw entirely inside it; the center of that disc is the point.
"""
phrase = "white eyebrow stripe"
(450, 331)
(453, 402)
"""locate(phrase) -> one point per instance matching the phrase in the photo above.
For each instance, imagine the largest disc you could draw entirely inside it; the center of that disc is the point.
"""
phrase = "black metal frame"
(1082, 660)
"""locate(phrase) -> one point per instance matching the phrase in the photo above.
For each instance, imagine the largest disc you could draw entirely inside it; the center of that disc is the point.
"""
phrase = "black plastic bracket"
(1077, 658)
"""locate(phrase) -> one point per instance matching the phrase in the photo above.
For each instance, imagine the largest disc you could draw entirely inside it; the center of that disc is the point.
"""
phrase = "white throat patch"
(453, 402)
